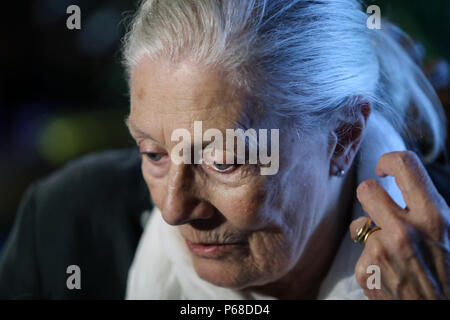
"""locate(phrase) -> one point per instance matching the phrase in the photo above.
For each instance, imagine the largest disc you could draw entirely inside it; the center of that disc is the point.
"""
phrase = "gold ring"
(362, 231)
(372, 230)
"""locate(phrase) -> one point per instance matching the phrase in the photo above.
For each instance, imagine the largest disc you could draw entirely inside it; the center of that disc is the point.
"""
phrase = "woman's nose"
(181, 204)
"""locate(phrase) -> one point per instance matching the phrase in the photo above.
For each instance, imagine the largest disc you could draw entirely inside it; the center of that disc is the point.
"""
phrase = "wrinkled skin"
(412, 247)
(275, 223)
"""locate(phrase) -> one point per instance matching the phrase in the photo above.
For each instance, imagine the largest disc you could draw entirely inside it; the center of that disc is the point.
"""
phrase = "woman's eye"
(154, 156)
(223, 167)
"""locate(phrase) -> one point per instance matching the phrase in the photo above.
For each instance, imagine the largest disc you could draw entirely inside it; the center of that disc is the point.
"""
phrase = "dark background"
(63, 92)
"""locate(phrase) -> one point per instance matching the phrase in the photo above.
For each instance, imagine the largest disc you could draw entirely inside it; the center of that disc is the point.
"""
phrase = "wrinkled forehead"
(165, 97)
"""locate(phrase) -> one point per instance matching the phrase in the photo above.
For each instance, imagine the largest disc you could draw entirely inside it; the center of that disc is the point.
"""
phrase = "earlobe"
(334, 150)
(348, 133)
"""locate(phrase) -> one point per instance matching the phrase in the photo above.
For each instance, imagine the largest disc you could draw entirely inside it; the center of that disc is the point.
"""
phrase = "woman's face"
(241, 228)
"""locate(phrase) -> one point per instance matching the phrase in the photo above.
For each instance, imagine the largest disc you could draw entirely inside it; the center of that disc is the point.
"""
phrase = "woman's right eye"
(153, 156)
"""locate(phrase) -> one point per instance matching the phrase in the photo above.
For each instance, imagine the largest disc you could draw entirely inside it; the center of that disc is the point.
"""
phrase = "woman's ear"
(346, 138)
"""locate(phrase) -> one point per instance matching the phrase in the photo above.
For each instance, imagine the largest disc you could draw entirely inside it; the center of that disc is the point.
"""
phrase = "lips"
(212, 250)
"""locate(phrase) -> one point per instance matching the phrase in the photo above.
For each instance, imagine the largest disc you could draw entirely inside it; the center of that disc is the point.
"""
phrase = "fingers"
(424, 203)
(397, 249)
(356, 225)
(389, 266)
(377, 203)
(410, 176)
(381, 275)
(373, 270)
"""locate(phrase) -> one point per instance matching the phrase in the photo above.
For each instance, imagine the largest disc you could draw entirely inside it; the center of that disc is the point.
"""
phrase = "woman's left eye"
(223, 167)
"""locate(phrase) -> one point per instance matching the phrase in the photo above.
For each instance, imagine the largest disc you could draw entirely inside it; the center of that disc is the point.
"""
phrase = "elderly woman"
(346, 101)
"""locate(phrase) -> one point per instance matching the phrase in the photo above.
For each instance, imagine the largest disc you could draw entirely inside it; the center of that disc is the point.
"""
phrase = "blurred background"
(63, 92)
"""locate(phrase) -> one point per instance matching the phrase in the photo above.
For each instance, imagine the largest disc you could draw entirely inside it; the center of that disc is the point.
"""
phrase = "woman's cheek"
(155, 186)
(146, 175)
(242, 208)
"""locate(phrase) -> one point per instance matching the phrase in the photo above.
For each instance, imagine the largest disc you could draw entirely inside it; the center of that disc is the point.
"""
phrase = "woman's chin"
(223, 272)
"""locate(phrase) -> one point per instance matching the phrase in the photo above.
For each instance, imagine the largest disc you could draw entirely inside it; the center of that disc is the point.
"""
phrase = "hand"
(412, 249)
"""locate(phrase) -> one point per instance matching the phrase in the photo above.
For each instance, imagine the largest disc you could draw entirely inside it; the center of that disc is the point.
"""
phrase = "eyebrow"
(136, 131)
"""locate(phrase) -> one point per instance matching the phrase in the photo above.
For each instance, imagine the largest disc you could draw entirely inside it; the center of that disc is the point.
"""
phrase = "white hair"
(304, 60)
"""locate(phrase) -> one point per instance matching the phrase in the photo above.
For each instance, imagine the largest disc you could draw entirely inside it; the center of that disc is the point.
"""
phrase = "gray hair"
(303, 60)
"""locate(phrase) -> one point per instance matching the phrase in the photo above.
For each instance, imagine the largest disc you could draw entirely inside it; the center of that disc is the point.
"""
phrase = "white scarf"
(162, 267)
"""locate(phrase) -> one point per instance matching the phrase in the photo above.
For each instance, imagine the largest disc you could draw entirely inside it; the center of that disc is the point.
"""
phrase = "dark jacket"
(87, 214)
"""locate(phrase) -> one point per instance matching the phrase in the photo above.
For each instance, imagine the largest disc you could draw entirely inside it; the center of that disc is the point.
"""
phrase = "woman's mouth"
(212, 250)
